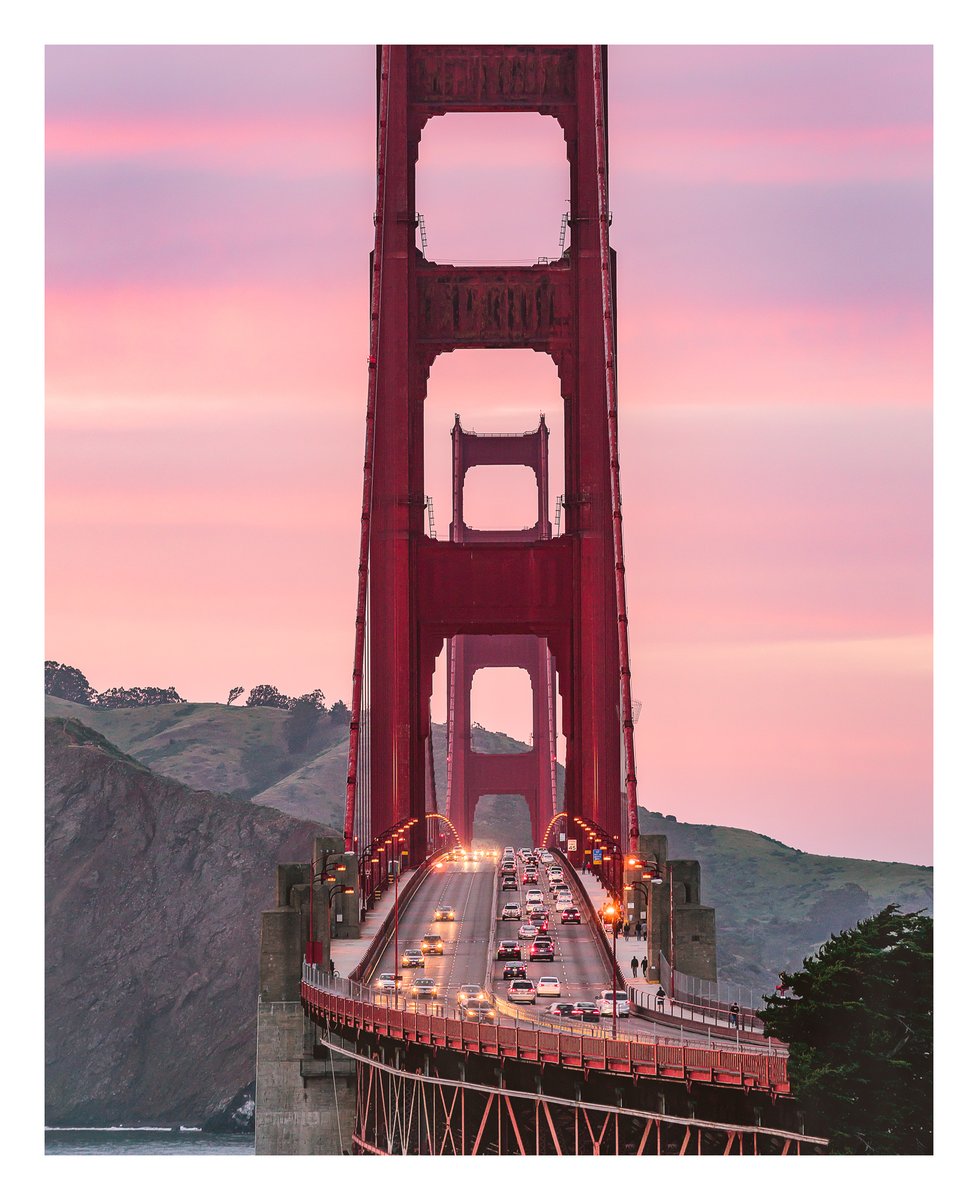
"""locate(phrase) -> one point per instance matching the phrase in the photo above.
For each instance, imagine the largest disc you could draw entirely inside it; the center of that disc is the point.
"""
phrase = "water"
(145, 1141)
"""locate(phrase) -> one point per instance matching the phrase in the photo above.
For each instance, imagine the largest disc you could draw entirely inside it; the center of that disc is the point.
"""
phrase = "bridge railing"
(346, 1002)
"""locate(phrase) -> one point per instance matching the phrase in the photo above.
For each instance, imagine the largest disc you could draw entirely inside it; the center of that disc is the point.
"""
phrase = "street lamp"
(640, 887)
(611, 914)
(337, 889)
(326, 865)
(658, 881)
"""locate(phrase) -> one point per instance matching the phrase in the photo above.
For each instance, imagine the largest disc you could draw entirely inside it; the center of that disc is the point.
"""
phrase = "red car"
(531, 877)
(570, 916)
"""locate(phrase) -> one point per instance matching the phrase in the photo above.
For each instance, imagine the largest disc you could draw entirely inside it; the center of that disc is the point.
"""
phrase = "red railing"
(692, 1064)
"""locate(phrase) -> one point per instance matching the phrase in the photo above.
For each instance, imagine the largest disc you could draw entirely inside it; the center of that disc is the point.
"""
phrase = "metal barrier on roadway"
(346, 1002)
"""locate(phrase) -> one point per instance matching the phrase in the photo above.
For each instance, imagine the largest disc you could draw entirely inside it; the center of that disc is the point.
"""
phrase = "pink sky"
(208, 226)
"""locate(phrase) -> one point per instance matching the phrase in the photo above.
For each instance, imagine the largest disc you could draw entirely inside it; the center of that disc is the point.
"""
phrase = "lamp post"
(326, 866)
(337, 889)
(640, 887)
(611, 914)
(658, 881)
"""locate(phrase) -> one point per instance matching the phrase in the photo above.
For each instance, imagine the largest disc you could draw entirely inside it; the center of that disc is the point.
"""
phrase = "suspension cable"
(611, 390)
(369, 447)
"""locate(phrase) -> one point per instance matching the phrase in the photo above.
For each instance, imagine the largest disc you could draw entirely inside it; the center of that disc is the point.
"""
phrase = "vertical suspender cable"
(611, 390)
(368, 454)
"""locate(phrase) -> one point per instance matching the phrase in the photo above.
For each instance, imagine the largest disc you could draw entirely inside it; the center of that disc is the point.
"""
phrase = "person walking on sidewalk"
(645, 967)
(734, 1015)
(660, 998)
(628, 929)
(634, 965)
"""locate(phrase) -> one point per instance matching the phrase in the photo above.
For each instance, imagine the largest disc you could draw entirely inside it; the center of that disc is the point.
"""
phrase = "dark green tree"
(858, 1018)
(264, 695)
(67, 683)
(137, 697)
(234, 693)
(304, 715)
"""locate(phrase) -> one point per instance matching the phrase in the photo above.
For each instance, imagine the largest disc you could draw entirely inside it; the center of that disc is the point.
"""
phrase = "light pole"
(640, 887)
(658, 881)
(611, 914)
(337, 889)
(326, 865)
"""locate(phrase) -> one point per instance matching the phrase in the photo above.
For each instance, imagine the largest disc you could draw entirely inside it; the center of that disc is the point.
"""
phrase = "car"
(527, 933)
(563, 903)
(540, 923)
(548, 985)
(525, 853)
(470, 991)
(542, 951)
(507, 949)
(514, 970)
(563, 1008)
(424, 989)
(481, 1011)
(546, 856)
(509, 884)
(570, 916)
(589, 1011)
(508, 852)
(387, 982)
(511, 912)
(432, 943)
(522, 991)
(534, 896)
(624, 1009)
(412, 957)
(444, 912)
(530, 877)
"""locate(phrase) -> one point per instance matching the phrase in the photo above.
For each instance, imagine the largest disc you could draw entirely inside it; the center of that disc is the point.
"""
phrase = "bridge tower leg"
(529, 774)
(566, 589)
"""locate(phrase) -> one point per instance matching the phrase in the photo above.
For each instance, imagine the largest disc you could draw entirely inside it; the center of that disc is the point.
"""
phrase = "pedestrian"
(645, 967)
(332, 969)
(660, 998)
(634, 967)
(628, 929)
(734, 1015)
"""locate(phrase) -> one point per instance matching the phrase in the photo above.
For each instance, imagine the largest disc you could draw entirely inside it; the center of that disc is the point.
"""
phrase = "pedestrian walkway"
(348, 953)
(643, 991)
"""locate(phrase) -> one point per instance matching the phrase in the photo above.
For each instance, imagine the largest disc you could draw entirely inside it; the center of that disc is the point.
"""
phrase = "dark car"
(477, 1010)
(508, 949)
(509, 884)
(564, 1008)
(588, 1011)
(542, 950)
(540, 921)
(570, 916)
(514, 970)
(432, 943)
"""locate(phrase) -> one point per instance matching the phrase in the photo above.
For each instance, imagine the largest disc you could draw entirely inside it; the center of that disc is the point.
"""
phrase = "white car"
(511, 912)
(527, 933)
(622, 1005)
(534, 896)
(387, 983)
(525, 853)
(522, 991)
(548, 985)
(546, 856)
(563, 902)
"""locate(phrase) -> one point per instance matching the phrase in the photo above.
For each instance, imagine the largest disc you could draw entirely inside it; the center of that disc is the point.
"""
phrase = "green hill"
(774, 904)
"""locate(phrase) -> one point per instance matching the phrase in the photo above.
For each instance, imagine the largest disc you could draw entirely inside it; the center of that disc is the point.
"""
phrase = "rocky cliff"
(153, 902)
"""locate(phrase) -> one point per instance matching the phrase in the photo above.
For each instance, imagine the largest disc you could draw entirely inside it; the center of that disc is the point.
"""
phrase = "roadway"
(471, 940)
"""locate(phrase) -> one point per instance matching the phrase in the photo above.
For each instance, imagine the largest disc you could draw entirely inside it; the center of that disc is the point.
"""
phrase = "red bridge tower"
(416, 592)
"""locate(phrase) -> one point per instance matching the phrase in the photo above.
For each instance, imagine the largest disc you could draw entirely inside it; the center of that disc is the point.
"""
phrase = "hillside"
(153, 899)
(774, 904)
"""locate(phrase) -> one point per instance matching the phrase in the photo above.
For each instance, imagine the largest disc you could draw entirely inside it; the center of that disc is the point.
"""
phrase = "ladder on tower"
(422, 234)
(430, 506)
(560, 505)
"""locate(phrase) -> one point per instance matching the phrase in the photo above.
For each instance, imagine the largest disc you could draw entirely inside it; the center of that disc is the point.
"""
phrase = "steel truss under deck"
(409, 1113)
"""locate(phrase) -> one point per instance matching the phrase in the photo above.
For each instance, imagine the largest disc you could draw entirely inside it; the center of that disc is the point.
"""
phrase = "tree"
(858, 1018)
(137, 697)
(234, 693)
(67, 683)
(263, 695)
(303, 719)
